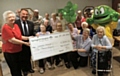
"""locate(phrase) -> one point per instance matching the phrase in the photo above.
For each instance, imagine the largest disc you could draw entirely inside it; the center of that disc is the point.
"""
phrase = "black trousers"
(13, 61)
(64, 56)
(78, 60)
(42, 64)
(25, 57)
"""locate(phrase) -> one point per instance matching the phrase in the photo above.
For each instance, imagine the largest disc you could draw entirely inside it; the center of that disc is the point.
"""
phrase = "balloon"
(66, 9)
(72, 19)
(69, 12)
(74, 7)
(69, 4)
(60, 10)
(67, 18)
(64, 13)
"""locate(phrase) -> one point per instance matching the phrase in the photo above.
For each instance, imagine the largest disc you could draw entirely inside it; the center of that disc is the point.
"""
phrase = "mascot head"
(103, 15)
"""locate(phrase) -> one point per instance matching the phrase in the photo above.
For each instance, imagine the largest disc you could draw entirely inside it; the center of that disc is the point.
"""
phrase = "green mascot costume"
(104, 16)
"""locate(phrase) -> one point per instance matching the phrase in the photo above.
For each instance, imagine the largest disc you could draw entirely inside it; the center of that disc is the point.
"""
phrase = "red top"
(79, 21)
(8, 33)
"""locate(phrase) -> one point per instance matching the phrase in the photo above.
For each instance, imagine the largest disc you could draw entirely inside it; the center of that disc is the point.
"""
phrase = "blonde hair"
(84, 23)
(5, 15)
(86, 29)
(101, 27)
(59, 23)
(53, 14)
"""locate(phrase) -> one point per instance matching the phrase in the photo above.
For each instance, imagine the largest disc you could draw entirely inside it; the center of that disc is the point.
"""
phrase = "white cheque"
(50, 45)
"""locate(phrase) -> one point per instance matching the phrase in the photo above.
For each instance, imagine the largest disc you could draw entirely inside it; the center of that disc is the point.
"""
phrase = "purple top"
(74, 34)
(41, 34)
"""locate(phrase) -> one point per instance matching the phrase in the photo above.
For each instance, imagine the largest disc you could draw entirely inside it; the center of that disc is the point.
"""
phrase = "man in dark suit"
(27, 29)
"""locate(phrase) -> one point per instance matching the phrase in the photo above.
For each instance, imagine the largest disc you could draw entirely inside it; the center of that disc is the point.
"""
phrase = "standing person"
(18, 14)
(54, 20)
(37, 19)
(79, 20)
(27, 29)
(63, 21)
(73, 32)
(46, 17)
(118, 26)
(12, 43)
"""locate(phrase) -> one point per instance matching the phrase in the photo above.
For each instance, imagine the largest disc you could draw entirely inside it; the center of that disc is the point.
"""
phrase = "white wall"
(47, 5)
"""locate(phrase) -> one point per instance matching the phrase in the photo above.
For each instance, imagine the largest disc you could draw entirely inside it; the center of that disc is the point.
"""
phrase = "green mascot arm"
(90, 21)
(115, 16)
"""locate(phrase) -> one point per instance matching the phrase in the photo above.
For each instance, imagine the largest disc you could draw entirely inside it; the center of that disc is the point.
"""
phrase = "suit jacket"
(30, 27)
(31, 33)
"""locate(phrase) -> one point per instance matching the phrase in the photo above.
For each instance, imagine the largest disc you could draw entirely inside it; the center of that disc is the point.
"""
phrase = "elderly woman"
(73, 32)
(100, 45)
(79, 56)
(85, 25)
(41, 62)
(12, 43)
(53, 21)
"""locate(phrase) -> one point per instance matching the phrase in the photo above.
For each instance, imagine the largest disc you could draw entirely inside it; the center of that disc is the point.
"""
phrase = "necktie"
(25, 29)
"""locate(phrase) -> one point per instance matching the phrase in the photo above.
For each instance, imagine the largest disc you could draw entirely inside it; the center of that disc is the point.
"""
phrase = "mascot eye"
(102, 11)
(96, 12)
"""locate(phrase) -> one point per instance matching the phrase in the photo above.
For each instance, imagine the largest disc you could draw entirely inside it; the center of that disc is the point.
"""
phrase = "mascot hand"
(90, 21)
(114, 16)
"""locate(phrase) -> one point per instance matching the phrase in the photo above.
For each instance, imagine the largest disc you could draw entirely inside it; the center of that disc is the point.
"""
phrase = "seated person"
(64, 56)
(41, 61)
(100, 44)
(48, 27)
(83, 43)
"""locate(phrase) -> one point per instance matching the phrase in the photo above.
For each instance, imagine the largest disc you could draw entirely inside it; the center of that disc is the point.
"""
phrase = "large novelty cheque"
(50, 45)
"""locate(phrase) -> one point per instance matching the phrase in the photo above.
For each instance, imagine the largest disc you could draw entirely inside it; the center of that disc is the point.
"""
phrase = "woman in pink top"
(73, 31)
(54, 20)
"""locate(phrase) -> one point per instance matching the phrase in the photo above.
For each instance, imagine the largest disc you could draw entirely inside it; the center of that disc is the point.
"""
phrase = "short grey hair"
(84, 23)
(101, 27)
(5, 15)
(86, 29)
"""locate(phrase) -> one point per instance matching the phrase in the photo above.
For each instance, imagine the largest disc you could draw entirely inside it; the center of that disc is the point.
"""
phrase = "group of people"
(16, 46)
